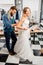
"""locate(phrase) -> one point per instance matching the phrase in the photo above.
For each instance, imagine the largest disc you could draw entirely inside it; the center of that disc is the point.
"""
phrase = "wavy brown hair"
(25, 9)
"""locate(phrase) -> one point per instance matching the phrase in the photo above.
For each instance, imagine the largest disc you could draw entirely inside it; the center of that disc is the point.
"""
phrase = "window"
(19, 4)
(41, 17)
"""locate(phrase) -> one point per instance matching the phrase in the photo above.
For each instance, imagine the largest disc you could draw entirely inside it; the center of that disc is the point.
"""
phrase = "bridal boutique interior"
(36, 33)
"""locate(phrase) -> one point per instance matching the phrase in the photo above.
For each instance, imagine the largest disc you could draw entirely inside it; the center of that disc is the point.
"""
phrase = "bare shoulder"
(22, 19)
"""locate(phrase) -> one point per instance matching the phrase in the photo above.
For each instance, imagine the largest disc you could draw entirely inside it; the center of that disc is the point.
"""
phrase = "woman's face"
(28, 13)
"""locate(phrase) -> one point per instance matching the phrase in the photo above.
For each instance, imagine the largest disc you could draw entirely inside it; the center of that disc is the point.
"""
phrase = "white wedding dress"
(22, 46)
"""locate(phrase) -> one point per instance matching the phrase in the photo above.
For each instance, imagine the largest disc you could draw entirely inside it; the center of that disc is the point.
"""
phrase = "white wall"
(34, 6)
(6, 4)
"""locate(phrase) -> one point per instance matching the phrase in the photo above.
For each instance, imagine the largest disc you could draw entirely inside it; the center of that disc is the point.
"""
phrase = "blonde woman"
(22, 47)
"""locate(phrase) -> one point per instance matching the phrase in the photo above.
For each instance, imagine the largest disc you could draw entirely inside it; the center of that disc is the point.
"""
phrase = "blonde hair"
(25, 9)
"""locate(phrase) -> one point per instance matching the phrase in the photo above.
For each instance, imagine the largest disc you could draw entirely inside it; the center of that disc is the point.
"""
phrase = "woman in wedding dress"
(22, 47)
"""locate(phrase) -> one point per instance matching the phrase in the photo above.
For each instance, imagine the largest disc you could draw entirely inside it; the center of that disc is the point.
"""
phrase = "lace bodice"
(26, 23)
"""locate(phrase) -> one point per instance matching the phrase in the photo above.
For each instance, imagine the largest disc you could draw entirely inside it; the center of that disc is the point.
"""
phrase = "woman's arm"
(13, 25)
(22, 28)
(19, 25)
